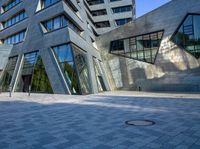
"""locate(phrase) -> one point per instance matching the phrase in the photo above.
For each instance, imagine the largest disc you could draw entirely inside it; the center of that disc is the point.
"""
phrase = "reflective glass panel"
(99, 76)
(143, 47)
(8, 74)
(65, 58)
(40, 82)
(26, 72)
(81, 65)
(187, 35)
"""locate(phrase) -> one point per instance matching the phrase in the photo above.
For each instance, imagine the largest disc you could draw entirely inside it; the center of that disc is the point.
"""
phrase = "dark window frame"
(177, 29)
(135, 36)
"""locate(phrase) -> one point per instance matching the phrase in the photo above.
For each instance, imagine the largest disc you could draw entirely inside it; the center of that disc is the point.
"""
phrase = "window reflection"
(47, 3)
(73, 64)
(188, 35)
(82, 69)
(59, 22)
(8, 74)
(40, 82)
(99, 76)
(143, 47)
(65, 58)
(25, 77)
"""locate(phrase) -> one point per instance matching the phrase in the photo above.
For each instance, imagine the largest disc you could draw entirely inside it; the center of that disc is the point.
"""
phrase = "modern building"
(106, 15)
(52, 43)
(81, 47)
(159, 51)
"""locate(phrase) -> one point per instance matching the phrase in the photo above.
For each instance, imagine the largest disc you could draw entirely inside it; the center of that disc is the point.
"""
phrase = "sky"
(144, 6)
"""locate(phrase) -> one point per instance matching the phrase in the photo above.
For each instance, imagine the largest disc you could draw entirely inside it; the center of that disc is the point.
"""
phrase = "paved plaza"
(98, 121)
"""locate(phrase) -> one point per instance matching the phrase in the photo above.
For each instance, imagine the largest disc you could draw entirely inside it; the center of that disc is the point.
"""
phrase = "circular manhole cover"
(140, 122)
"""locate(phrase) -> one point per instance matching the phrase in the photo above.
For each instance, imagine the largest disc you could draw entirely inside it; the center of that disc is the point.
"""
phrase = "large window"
(16, 38)
(82, 69)
(59, 22)
(95, 2)
(47, 3)
(120, 22)
(15, 19)
(10, 4)
(187, 35)
(40, 82)
(8, 74)
(143, 47)
(99, 75)
(32, 76)
(99, 12)
(74, 67)
(102, 24)
(25, 77)
(122, 9)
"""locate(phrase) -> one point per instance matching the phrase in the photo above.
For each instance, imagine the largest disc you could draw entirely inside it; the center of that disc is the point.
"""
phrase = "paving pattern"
(98, 122)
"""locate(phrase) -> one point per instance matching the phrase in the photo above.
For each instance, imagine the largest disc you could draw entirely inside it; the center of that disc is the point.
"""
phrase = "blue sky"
(144, 6)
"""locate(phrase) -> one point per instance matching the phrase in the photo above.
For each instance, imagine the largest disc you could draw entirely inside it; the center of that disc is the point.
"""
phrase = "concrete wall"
(174, 69)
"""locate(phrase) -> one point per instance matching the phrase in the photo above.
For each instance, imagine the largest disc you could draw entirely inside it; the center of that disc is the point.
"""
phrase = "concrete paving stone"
(4, 145)
(44, 121)
(182, 147)
(102, 146)
(153, 145)
(167, 146)
(195, 146)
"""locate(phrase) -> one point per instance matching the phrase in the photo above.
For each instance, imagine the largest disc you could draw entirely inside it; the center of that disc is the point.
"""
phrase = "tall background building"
(52, 43)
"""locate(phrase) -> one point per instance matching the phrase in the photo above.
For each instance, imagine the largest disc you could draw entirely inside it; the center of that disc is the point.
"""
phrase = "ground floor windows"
(40, 82)
(65, 58)
(143, 47)
(25, 77)
(73, 64)
(99, 75)
(32, 76)
(187, 35)
(82, 69)
(8, 74)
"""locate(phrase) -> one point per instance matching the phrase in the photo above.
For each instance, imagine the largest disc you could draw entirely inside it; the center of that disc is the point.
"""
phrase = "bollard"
(140, 89)
(29, 90)
(10, 91)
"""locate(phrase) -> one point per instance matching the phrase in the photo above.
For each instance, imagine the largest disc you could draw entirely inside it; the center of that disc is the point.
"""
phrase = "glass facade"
(102, 24)
(15, 19)
(82, 69)
(120, 22)
(47, 3)
(73, 65)
(11, 4)
(40, 82)
(8, 74)
(16, 38)
(32, 75)
(95, 2)
(99, 75)
(187, 35)
(99, 12)
(143, 47)
(122, 9)
(59, 22)
(26, 72)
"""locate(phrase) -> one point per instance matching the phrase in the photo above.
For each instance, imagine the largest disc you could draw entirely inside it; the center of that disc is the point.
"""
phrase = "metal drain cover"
(140, 122)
